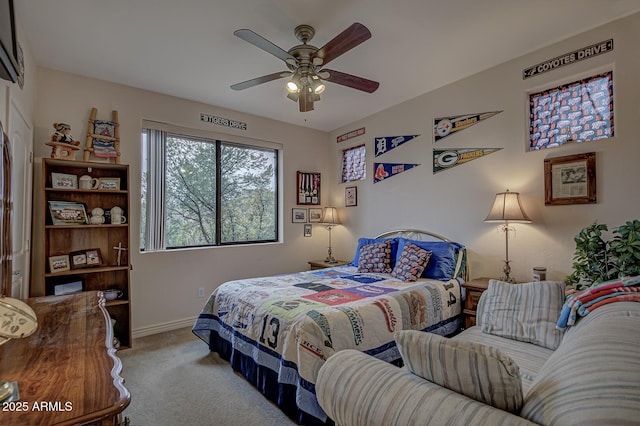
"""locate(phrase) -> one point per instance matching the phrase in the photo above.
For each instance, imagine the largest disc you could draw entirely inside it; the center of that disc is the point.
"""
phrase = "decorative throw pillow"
(364, 241)
(525, 312)
(447, 258)
(375, 257)
(411, 263)
(481, 372)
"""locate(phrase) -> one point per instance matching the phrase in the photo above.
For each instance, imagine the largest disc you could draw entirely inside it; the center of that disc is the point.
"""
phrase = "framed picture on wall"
(570, 179)
(299, 215)
(351, 196)
(308, 188)
(315, 214)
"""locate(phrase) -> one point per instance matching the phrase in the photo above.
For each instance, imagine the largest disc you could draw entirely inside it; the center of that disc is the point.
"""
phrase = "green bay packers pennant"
(445, 126)
(382, 171)
(385, 144)
(444, 159)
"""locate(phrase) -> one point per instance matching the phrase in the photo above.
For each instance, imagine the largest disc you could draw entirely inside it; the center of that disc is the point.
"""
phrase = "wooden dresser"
(474, 288)
(68, 371)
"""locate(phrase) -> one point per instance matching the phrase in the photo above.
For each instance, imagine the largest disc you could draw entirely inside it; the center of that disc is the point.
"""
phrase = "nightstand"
(321, 264)
(474, 288)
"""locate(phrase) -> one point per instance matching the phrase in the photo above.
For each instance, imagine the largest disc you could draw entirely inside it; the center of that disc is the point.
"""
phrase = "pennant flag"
(444, 159)
(387, 143)
(382, 171)
(445, 126)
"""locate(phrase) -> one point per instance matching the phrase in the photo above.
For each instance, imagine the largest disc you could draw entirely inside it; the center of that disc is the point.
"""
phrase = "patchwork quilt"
(292, 323)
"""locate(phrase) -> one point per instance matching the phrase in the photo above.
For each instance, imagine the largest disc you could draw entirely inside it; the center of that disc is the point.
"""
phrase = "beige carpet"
(175, 380)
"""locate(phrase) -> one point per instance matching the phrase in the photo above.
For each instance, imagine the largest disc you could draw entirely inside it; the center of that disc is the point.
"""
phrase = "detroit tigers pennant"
(385, 144)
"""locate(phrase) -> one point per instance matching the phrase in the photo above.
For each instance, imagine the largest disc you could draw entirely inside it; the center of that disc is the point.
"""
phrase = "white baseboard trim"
(160, 328)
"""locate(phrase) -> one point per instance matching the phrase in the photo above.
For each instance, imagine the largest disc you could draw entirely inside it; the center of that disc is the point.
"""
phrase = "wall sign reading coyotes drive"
(220, 121)
(568, 58)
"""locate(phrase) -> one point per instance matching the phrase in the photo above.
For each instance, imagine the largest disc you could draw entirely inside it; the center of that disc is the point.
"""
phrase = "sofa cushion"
(524, 312)
(480, 372)
(411, 263)
(593, 377)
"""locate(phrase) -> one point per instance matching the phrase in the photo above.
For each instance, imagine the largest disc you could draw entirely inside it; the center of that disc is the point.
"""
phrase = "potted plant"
(597, 259)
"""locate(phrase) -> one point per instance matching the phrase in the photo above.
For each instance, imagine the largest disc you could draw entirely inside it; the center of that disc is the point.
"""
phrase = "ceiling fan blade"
(352, 81)
(343, 42)
(264, 44)
(260, 80)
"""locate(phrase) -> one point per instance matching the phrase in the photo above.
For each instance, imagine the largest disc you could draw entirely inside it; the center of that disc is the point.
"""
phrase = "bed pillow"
(411, 263)
(365, 241)
(447, 258)
(525, 312)
(477, 371)
(375, 257)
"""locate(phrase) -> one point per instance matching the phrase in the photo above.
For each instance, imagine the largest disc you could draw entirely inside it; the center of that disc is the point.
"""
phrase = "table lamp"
(330, 219)
(507, 208)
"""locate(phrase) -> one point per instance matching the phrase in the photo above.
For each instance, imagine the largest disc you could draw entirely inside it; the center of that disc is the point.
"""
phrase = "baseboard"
(160, 328)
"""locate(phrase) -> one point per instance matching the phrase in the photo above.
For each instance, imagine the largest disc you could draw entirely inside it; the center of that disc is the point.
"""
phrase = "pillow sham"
(365, 241)
(375, 257)
(445, 262)
(525, 312)
(411, 263)
(481, 372)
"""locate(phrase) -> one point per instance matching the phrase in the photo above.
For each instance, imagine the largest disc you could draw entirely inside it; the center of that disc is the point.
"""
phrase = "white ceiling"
(186, 48)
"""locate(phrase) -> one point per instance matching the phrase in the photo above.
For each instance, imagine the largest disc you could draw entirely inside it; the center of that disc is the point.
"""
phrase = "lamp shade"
(507, 208)
(330, 216)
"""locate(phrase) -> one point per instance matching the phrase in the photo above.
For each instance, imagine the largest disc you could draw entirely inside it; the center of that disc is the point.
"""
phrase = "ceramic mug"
(87, 182)
(112, 294)
(116, 216)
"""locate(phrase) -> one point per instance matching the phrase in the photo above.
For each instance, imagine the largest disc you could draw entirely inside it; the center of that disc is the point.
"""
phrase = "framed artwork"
(315, 215)
(109, 184)
(299, 215)
(67, 213)
(85, 258)
(308, 188)
(307, 229)
(570, 179)
(59, 263)
(63, 180)
(351, 196)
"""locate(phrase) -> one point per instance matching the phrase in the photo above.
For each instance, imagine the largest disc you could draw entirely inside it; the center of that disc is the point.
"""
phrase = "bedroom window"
(206, 192)
(575, 112)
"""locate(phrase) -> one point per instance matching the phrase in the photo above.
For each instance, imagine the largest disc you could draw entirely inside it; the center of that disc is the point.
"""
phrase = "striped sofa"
(592, 377)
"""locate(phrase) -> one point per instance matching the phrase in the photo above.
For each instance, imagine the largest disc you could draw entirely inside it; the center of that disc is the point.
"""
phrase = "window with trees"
(206, 192)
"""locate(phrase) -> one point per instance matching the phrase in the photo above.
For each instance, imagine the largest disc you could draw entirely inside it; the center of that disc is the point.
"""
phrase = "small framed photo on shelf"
(67, 213)
(59, 263)
(86, 258)
(109, 184)
(299, 215)
(315, 215)
(64, 181)
(307, 229)
(351, 196)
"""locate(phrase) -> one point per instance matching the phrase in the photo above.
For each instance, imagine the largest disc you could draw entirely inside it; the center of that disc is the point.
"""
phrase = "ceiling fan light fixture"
(293, 85)
(294, 96)
(318, 86)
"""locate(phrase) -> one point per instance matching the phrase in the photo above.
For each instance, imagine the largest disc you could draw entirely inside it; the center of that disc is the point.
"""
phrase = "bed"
(278, 331)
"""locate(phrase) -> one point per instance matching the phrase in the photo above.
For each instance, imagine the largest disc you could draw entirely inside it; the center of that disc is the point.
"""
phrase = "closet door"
(21, 137)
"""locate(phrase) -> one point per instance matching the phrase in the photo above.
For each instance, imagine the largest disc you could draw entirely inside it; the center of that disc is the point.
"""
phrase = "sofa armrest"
(356, 389)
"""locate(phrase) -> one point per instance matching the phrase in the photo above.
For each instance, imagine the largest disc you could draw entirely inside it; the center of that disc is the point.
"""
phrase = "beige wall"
(164, 286)
(453, 202)
(456, 201)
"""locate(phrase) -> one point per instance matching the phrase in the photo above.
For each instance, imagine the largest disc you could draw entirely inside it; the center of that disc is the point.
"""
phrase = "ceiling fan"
(305, 63)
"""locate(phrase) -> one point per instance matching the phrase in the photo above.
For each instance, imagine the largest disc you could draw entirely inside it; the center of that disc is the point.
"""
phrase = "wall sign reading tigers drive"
(221, 121)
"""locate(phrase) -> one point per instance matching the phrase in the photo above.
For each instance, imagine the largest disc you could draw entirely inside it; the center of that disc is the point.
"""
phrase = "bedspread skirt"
(296, 397)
